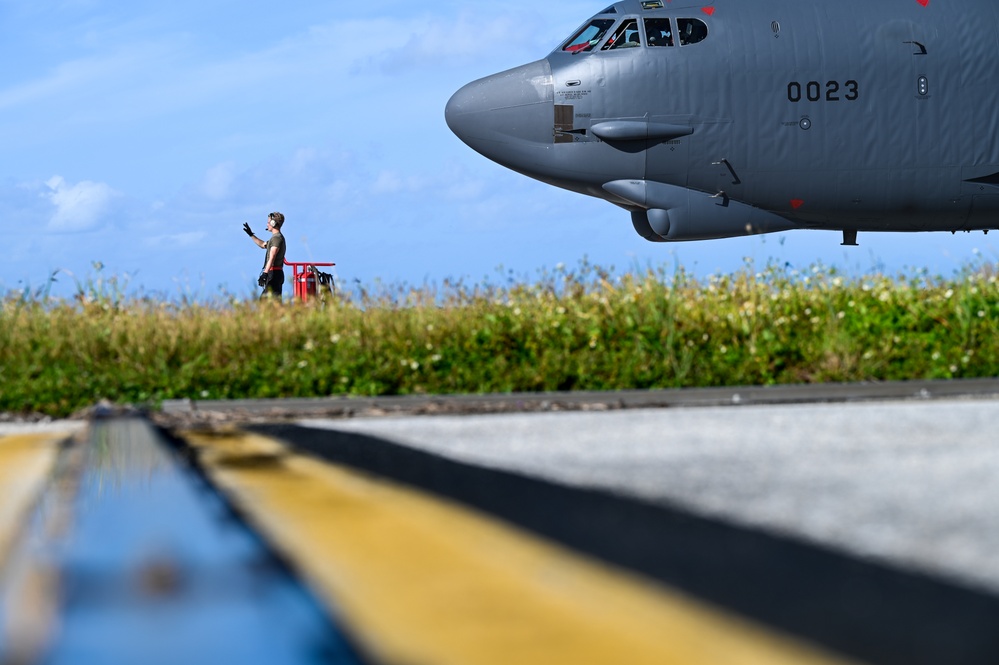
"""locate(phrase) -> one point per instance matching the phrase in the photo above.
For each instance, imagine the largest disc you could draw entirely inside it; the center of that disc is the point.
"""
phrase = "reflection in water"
(156, 569)
(112, 463)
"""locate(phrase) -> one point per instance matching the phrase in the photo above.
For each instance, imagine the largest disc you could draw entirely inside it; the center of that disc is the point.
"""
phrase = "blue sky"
(142, 135)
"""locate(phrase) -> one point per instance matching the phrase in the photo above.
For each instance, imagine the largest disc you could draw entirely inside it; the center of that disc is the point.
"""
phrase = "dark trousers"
(275, 286)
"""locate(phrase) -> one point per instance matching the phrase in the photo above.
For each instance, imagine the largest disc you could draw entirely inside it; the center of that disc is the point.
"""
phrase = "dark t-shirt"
(276, 240)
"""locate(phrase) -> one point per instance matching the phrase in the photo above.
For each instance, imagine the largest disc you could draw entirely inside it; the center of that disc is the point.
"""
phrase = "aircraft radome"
(718, 118)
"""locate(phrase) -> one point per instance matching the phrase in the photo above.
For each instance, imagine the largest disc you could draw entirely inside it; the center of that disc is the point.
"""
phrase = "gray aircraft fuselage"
(724, 117)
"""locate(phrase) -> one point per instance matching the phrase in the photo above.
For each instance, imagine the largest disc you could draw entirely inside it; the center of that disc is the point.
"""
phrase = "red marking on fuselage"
(923, 2)
(797, 203)
(710, 11)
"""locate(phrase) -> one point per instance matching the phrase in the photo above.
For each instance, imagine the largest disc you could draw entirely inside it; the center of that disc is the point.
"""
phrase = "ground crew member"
(272, 276)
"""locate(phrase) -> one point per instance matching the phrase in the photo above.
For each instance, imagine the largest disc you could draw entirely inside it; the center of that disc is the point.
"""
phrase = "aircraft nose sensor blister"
(723, 118)
(514, 106)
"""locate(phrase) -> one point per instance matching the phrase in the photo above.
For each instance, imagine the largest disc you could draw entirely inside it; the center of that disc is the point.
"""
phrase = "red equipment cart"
(307, 279)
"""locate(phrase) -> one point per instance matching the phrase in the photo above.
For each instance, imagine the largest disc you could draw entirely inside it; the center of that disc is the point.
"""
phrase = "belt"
(277, 269)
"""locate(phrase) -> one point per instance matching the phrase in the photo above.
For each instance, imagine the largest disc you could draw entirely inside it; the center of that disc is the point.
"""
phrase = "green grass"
(568, 330)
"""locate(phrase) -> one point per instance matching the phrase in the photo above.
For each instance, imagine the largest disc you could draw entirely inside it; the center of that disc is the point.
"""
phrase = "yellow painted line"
(424, 581)
(26, 460)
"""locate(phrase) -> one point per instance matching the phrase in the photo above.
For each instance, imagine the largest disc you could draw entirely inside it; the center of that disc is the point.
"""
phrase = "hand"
(246, 228)
(264, 279)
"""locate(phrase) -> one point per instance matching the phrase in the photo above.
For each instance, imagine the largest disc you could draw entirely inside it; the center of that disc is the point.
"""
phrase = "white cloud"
(319, 176)
(176, 240)
(218, 181)
(95, 77)
(447, 41)
(465, 190)
(78, 207)
(392, 182)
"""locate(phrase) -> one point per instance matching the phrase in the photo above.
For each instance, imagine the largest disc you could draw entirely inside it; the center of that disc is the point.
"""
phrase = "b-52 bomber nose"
(506, 116)
(703, 121)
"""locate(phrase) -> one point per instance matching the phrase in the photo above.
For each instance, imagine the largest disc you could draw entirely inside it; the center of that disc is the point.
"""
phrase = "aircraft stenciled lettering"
(893, 116)
(813, 91)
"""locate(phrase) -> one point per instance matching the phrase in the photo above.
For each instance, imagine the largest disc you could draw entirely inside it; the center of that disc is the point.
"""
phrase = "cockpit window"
(658, 31)
(590, 36)
(610, 10)
(627, 36)
(691, 30)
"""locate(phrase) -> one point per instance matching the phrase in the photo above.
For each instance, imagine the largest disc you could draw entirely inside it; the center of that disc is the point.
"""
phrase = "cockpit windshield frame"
(691, 31)
(658, 31)
(589, 35)
(627, 35)
(653, 31)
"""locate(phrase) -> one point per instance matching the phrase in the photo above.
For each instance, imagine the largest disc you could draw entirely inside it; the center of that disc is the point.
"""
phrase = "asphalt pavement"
(910, 483)
(792, 524)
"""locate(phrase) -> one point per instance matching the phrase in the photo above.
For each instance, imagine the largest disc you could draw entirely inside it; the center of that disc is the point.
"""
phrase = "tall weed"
(569, 329)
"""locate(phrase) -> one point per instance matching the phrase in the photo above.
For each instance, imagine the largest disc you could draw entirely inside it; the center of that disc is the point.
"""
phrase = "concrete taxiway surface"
(911, 483)
(793, 525)
(862, 524)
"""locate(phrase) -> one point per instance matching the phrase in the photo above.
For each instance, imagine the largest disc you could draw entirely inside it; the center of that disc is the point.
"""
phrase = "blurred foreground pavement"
(794, 525)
